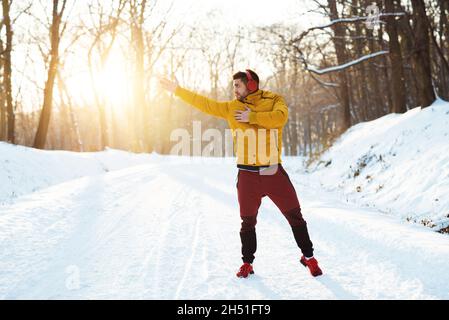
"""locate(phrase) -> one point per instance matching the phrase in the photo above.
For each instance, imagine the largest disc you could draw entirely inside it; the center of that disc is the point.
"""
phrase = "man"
(256, 118)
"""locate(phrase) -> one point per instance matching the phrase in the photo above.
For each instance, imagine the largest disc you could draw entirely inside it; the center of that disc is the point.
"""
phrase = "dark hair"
(242, 75)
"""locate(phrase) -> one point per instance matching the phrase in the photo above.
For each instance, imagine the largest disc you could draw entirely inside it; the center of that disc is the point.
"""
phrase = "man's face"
(240, 90)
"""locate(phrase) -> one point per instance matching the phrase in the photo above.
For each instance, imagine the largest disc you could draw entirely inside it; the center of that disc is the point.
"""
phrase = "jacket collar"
(253, 97)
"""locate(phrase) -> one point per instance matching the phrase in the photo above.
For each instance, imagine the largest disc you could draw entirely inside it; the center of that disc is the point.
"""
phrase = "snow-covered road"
(169, 230)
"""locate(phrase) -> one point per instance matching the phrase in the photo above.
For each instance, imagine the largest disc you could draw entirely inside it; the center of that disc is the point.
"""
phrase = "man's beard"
(240, 98)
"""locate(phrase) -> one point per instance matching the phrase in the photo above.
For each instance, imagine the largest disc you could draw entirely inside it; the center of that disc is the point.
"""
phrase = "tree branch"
(348, 64)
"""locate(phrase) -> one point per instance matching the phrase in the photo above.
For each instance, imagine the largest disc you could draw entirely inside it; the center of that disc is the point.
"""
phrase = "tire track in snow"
(193, 252)
(169, 232)
(167, 237)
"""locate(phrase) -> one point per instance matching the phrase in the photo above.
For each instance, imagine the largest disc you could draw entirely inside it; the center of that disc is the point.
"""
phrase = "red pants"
(252, 187)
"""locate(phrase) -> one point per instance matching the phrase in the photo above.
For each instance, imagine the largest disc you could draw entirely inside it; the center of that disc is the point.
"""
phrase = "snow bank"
(24, 170)
(398, 164)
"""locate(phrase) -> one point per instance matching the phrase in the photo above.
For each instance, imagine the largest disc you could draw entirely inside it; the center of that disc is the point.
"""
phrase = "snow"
(348, 64)
(398, 164)
(24, 170)
(116, 225)
(356, 19)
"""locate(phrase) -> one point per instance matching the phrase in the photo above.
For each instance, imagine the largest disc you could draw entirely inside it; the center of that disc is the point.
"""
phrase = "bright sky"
(219, 15)
(244, 12)
(233, 15)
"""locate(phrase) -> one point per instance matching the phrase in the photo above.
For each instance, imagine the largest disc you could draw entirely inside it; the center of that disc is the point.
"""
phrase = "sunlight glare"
(112, 82)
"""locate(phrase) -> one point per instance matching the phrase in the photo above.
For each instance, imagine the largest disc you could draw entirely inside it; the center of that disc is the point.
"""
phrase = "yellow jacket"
(258, 142)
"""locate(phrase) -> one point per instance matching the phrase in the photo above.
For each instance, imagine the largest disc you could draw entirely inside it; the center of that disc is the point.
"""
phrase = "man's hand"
(242, 115)
(168, 84)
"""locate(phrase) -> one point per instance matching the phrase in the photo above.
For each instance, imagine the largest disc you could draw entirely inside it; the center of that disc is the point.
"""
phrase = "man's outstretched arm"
(209, 106)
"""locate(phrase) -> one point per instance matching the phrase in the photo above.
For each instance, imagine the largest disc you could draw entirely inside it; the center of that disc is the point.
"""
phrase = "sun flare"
(107, 83)
(112, 83)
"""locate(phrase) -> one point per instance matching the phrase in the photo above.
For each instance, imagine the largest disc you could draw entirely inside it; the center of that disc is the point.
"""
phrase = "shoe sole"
(252, 272)
(315, 275)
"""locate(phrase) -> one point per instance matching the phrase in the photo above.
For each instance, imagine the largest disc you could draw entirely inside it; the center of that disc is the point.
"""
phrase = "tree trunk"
(99, 100)
(2, 99)
(294, 142)
(444, 33)
(407, 48)
(339, 33)
(362, 82)
(7, 71)
(422, 54)
(41, 134)
(139, 124)
(373, 78)
(71, 129)
(397, 70)
(385, 76)
(307, 131)
(2, 116)
(140, 120)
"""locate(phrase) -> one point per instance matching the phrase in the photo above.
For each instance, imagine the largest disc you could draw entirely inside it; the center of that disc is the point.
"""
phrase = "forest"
(81, 75)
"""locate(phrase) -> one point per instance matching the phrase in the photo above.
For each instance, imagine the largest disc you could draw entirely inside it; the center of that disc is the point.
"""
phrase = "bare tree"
(233, 45)
(421, 54)
(7, 70)
(158, 42)
(332, 75)
(397, 70)
(443, 36)
(373, 75)
(3, 124)
(362, 84)
(70, 122)
(55, 37)
(340, 50)
(137, 11)
(105, 34)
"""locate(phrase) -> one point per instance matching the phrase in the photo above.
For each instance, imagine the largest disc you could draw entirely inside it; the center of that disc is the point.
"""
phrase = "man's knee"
(294, 217)
(248, 223)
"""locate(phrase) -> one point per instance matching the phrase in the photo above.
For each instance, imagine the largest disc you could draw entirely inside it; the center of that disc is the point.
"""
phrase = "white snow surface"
(115, 225)
(398, 164)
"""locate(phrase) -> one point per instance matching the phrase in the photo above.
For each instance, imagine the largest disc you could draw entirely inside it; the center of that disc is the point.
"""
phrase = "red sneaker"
(312, 263)
(245, 270)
